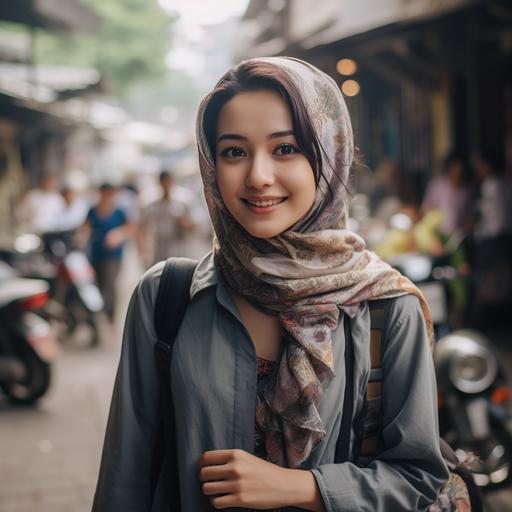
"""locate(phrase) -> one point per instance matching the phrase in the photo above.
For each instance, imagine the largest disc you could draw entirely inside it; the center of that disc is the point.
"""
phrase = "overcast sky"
(205, 11)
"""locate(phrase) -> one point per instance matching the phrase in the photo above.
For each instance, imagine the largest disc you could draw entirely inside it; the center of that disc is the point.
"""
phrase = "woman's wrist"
(301, 490)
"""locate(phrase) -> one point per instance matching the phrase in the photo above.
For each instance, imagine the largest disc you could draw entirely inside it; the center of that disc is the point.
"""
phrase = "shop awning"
(61, 15)
(365, 15)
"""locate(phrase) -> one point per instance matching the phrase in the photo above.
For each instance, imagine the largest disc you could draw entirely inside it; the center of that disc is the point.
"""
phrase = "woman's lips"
(262, 206)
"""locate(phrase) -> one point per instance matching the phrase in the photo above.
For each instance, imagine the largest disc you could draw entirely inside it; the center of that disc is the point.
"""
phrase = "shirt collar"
(205, 275)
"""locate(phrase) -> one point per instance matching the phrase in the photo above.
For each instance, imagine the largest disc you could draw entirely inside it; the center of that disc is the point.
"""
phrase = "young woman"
(258, 367)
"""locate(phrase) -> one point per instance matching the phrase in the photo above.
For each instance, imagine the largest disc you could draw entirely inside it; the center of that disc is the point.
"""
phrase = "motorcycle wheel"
(35, 381)
(492, 474)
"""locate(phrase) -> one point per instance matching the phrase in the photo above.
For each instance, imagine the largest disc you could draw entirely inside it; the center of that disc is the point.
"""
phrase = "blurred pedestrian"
(73, 213)
(453, 194)
(107, 228)
(493, 236)
(495, 197)
(41, 207)
(262, 363)
(164, 224)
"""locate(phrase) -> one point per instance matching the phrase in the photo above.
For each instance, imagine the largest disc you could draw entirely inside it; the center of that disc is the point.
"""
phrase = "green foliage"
(128, 47)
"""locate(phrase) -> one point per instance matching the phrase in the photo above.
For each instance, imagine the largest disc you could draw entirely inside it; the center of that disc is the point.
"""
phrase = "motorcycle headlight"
(468, 359)
(473, 374)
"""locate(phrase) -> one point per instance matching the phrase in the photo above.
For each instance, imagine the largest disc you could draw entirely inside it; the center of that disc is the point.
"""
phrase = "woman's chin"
(264, 231)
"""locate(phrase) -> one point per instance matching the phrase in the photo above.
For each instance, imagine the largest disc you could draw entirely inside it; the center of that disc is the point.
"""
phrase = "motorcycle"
(473, 400)
(474, 396)
(75, 299)
(27, 344)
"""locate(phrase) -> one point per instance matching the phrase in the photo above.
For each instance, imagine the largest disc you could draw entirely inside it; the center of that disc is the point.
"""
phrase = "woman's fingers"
(227, 501)
(216, 457)
(214, 473)
(221, 487)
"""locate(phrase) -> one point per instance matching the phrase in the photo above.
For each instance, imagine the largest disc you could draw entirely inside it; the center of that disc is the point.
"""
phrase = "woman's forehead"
(255, 112)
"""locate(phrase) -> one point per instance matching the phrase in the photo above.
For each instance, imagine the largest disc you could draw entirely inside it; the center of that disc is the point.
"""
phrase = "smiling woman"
(270, 365)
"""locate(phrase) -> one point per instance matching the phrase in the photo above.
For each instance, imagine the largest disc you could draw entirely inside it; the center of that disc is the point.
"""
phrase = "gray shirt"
(214, 382)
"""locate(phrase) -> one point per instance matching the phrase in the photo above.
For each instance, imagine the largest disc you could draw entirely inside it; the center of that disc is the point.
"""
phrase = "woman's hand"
(235, 478)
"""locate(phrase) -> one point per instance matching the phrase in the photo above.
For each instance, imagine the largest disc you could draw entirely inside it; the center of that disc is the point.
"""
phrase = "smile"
(265, 203)
(262, 206)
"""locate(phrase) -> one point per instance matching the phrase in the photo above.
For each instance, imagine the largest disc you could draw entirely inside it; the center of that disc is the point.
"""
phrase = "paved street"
(49, 456)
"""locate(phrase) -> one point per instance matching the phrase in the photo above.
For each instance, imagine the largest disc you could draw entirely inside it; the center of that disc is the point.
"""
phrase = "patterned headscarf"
(306, 275)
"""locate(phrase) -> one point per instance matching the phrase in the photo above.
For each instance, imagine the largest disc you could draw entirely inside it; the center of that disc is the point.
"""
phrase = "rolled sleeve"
(409, 471)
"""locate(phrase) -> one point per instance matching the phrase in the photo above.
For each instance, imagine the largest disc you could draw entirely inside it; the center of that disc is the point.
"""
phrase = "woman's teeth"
(266, 203)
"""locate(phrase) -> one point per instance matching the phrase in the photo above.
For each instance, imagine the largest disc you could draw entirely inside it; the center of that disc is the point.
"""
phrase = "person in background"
(163, 224)
(492, 236)
(107, 229)
(452, 193)
(42, 206)
(494, 209)
(74, 212)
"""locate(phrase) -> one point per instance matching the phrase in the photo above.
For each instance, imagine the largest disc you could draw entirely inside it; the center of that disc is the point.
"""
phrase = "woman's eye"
(286, 149)
(232, 152)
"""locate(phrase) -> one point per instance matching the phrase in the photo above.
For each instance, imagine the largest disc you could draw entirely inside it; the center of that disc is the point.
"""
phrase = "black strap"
(343, 442)
(171, 303)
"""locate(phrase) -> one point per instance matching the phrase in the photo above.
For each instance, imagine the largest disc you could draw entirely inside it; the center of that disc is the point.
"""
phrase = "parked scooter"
(474, 396)
(473, 411)
(75, 299)
(27, 344)
(75, 288)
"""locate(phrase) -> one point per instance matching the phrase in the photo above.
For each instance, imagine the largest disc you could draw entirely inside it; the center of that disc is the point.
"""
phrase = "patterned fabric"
(453, 497)
(306, 275)
(265, 368)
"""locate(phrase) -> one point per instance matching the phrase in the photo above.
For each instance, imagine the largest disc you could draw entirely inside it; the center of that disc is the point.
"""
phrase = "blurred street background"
(99, 180)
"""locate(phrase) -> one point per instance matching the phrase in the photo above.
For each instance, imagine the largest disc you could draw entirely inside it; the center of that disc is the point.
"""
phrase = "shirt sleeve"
(124, 482)
(409, 471)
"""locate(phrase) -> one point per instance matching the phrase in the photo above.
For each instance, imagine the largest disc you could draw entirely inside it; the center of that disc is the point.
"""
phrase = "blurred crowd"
(102, 221)
(462, 215)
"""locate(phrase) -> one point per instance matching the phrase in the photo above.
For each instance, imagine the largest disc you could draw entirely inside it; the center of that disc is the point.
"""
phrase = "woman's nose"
(260, 173)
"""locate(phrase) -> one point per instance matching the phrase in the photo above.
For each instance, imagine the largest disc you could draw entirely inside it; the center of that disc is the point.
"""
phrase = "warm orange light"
(500, 395)
(350, 88)
(346, 67)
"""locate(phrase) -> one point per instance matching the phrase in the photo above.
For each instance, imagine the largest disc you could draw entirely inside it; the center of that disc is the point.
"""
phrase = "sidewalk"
(49, 455)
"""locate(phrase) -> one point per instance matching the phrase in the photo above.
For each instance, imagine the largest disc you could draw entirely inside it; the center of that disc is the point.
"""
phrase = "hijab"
(310, 275)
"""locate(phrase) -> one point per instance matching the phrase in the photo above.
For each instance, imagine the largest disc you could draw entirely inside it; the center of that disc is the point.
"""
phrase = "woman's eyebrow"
(231, 136)
(285, 133)
(234, 136)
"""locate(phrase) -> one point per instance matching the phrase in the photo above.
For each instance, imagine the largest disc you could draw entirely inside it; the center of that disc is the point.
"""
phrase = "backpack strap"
(171, 304)
(343, 442)
(370, 425)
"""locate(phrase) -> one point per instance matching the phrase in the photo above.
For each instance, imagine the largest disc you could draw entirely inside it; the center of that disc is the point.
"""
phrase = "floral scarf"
(306, 275)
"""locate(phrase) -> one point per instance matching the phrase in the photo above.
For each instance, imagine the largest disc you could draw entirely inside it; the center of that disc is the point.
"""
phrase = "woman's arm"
(125, 475)
(409, 471)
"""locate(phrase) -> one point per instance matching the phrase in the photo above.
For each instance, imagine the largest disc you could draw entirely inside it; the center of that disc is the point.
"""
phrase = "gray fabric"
(214, 390)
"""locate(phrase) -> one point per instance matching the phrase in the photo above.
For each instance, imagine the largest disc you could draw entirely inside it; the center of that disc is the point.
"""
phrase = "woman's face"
(266, 183)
